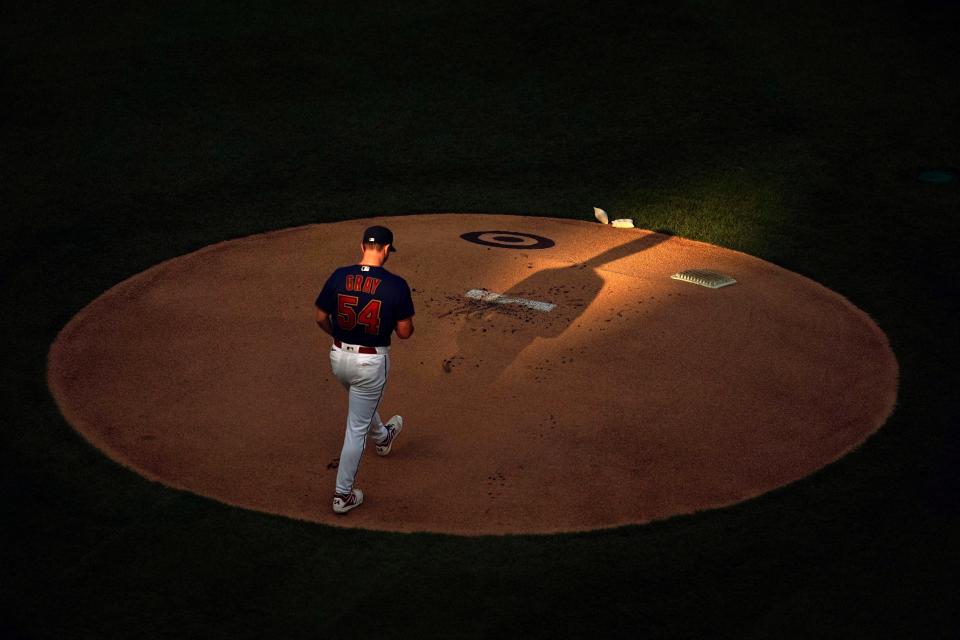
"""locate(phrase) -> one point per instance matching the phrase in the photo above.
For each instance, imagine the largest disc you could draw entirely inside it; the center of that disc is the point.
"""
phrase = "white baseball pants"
(364, 376)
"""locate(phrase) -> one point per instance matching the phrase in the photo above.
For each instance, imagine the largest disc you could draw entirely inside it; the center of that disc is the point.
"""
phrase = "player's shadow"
(494, 335)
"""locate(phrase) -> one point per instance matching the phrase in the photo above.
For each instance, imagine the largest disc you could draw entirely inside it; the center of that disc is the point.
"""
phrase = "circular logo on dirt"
(508, 239)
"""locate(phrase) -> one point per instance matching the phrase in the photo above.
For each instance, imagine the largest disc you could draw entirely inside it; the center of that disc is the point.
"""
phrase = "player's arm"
(404, 328)
(323, 321)
(405, 308)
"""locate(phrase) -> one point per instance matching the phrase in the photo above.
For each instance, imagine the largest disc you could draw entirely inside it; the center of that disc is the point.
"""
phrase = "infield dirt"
(637, 397)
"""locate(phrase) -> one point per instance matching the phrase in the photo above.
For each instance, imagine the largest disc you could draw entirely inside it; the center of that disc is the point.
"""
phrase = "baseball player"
(361, 306)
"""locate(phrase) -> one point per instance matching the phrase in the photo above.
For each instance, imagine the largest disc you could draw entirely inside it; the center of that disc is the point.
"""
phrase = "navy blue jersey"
(365, 303)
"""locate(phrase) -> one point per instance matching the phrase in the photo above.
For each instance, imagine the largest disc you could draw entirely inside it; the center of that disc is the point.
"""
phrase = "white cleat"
(601, 215)
(342, 504)
(394, 427)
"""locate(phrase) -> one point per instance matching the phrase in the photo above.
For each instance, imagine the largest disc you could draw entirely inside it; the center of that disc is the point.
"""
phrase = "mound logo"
(508, 239)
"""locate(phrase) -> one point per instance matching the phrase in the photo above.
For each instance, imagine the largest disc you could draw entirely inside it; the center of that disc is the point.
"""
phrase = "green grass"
(134, 134)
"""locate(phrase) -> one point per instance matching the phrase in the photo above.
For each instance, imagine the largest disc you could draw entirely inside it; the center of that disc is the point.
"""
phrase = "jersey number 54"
(368, 317)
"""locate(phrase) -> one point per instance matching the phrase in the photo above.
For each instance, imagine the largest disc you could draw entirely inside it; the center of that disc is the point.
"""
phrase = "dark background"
(135, 132)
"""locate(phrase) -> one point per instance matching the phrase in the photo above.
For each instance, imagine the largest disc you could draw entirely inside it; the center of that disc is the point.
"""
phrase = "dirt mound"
(633, 397)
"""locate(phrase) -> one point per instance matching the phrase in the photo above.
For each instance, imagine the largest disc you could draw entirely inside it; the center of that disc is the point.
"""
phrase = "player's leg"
(378, 430)
(366, 389)
(344, 369)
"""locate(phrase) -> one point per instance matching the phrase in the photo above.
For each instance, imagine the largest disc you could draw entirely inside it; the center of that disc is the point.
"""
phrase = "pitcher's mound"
(577, 386)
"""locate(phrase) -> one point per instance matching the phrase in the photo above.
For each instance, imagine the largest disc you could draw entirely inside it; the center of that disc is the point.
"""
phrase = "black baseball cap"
(379, 235)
